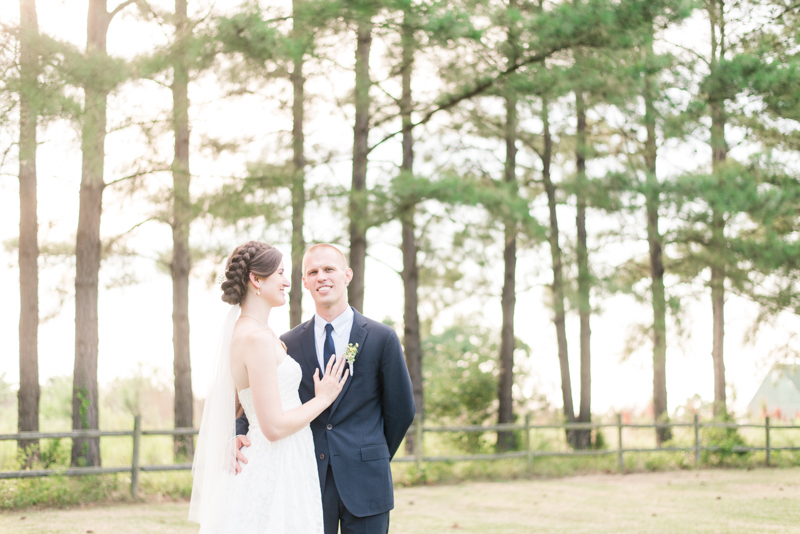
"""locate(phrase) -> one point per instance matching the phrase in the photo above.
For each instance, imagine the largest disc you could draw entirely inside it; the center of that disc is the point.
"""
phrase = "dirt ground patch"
(765, 500)
(693, 501)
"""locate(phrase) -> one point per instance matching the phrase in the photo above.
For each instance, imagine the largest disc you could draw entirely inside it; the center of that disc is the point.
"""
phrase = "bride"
(279, 492)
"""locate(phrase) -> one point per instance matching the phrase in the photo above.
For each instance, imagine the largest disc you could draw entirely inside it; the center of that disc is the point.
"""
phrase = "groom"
(359, 434)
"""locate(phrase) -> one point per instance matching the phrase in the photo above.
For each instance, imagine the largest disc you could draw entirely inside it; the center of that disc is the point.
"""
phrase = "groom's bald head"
(339, 256)
(326, 276)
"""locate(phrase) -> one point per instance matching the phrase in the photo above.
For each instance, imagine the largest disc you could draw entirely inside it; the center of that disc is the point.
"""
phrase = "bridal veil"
(215, 457)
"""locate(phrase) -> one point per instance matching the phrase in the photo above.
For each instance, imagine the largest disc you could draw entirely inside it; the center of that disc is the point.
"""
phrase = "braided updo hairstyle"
(254, 257)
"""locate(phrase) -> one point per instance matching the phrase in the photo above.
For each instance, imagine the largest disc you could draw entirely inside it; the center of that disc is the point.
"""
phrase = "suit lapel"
(309, 346)
(358, 334)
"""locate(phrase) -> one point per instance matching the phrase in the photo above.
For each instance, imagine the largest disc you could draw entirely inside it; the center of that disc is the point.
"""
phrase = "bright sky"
(135, 320)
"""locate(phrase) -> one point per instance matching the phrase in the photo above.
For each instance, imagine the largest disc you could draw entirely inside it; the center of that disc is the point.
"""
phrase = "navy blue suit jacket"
(361, 431)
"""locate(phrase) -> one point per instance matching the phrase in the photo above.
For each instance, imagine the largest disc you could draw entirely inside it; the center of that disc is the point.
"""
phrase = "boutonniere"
(350, 355)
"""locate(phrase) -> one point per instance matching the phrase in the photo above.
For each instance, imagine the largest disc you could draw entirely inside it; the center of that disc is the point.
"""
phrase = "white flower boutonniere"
(350, 355)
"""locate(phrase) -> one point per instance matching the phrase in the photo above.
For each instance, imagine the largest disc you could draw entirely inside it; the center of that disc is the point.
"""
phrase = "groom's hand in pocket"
(241, 441)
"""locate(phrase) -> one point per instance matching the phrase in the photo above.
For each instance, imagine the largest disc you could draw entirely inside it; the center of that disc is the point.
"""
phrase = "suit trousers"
(334, 513)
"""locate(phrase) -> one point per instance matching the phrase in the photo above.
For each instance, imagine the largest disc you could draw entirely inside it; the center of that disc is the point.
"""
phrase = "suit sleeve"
(242, 425)
(397, 396)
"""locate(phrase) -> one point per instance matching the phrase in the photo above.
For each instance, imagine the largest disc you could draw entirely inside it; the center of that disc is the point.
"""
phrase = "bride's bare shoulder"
(247, 335)
(256, 342)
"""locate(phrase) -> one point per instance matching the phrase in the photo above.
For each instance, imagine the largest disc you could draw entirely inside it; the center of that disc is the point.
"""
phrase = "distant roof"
(779, 393)
(790, 371)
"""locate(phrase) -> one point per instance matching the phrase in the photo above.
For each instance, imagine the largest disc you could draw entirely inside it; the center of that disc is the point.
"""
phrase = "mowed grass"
(724, 501)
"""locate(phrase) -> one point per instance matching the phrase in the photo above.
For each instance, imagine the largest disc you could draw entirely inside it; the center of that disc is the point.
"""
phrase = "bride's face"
(273, 287)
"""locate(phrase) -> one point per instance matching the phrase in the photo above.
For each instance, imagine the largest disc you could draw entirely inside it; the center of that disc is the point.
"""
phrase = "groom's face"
(326, 276)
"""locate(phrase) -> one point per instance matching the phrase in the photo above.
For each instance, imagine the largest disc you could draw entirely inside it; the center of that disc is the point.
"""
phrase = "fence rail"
(134, 469)
(419, 457)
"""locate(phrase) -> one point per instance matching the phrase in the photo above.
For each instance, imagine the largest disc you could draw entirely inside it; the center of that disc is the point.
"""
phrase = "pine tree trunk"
(718, 309)
(28, 396)
(358, 190)
(505, 384)
(88, 247)
(719, 152)
(298, 176)
(505, 410)
(412, 344)
(655, 243)
(181, 221)
(583, 437)
(558, 276)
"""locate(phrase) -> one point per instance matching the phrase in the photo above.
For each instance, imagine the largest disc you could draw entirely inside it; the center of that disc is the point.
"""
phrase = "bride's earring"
(258, 291)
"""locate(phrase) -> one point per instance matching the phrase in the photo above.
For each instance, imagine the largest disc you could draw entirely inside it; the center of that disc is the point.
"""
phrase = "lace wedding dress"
(277, 491)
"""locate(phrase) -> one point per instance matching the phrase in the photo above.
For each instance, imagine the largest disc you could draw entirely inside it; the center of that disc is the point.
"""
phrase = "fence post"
(619, 441)
(696, 440)
(528, 452)
(418, 448)
(137, 436)
(766, 426)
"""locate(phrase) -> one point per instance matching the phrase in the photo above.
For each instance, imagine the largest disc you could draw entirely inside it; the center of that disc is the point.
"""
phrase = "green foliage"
(99, 71)
(259, 198)
(726, 439)
(147, 392)
(501, 200)
(599, 440)
(264, 41)
(761, 201)
(7, 394)
(259, 41)
(460, 379)
(82, 396)
(55, 405)
(51, 96)
(197, 49)
(446, 24)
(460, 375)
(54, 453)
(60, 491)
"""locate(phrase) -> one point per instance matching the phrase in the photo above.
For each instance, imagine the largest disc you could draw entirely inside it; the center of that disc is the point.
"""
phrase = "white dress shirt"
(342, 326)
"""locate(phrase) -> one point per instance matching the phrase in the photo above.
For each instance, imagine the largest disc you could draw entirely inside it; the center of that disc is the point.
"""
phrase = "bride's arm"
(260, 359)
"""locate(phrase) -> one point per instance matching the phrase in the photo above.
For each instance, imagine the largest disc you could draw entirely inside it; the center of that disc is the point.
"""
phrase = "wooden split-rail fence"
(529, 453)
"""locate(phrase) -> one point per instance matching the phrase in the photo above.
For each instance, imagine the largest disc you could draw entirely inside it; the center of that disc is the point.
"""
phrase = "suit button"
(330, 427)
(321, 456)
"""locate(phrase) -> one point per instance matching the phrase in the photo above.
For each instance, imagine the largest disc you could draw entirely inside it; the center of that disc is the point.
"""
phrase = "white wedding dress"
(278, 490)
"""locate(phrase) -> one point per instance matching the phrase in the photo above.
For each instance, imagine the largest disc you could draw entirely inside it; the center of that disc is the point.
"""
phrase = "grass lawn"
(761, 500)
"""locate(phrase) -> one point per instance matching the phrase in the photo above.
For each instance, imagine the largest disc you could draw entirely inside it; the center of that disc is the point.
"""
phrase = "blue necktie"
(329, 349)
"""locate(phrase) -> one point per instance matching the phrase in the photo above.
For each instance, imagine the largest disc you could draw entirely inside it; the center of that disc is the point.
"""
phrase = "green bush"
(63, 491)
(599, 440)
(54, 452)
(59, 491)
(727, 439)
(460, 379)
